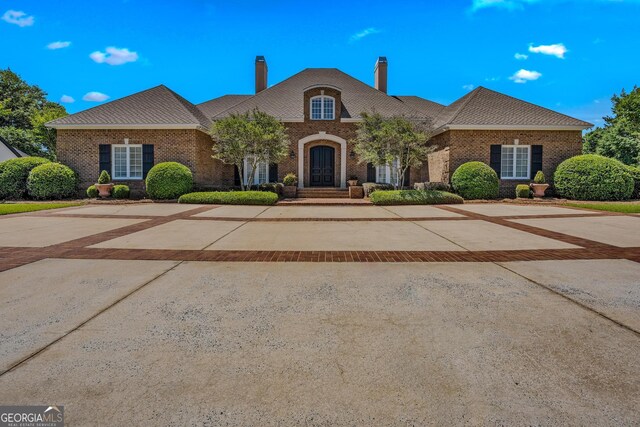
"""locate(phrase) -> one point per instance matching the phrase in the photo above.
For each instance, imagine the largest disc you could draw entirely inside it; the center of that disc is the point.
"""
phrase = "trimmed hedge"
(169, 180)
(92, 192)
(370, 187)
(475, 180)
(414, 197)
(120, 191)
(51, 181)
(273, 187)
(593, 177)
(523, 191)
(14, 174)
(635, 173)
(438, 186)
(230, 198)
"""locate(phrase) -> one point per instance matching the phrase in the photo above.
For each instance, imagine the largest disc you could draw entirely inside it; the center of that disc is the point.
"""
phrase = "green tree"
(620, 136)
(253, 136)
(398, 142)
(24, 109)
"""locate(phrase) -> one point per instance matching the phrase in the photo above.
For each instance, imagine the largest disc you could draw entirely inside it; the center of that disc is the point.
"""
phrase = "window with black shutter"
(495, 159)
(536, 160)
(147, 159)
(104, 153)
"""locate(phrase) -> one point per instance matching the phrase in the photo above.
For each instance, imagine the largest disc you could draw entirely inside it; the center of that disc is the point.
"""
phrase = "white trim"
(323, 136)
(322, 98)
(515, 150)
(321, 86)
(123, 126)
(113, 162)
(350, 120)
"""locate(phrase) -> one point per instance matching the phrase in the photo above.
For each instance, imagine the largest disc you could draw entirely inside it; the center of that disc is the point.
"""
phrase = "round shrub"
(635, 173)
(593, 177)
(14, 174)
(120, 191)
(475, 180)
(92, 192)
(523, 191)
(169, 180)
(51, 181)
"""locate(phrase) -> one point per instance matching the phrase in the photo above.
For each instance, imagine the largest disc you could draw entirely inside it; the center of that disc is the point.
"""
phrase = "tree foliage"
(620, 136)
(24, 109)
(398, 142)
(253, 136)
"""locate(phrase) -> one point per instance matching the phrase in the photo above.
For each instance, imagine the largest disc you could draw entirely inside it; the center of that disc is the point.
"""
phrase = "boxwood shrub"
(14, 174)
(475, 180)
(523, 191)
(169, 180)
(593, 177)
(51, 181)
(230, 198)
(635, 173)
(414, 197)
(120, 191)
(370, 187)
(92, 192)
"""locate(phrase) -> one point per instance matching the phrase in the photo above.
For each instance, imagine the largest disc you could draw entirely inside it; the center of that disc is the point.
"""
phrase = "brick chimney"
(261, 74)
(380, 74)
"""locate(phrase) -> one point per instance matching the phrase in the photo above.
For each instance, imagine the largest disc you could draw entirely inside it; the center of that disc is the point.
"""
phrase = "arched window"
(322, 108)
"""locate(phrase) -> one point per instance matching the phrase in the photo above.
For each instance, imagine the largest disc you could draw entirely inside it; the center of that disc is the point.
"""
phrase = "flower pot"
(289, 191)
(539, 189)
(352, 182)
(104, 190)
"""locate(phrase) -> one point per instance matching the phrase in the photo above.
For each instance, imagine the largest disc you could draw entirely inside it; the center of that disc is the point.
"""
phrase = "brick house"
(320, 108)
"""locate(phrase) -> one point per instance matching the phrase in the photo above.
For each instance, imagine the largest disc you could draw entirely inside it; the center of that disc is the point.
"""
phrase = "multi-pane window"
(261, 174)
(127, 162)
(322, 108)
(515, 162)
(387, 174)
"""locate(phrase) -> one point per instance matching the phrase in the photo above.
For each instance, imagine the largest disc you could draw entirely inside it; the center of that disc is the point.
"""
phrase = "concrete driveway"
(189, 315)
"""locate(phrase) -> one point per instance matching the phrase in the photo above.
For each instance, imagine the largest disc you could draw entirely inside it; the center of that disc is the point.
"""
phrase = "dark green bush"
(475, 180)
(51, 181)
(14, 174)
(273, 187)
(635, 173)
(414, 197)
(169, 180)
(593, 177)
(92, 192)
(523, 191)
(370, 187)
(438, 186)
(120, 192)
(104, 178)
(230, 198)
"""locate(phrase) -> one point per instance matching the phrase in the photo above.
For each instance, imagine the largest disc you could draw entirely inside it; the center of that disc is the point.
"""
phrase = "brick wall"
(438, 166)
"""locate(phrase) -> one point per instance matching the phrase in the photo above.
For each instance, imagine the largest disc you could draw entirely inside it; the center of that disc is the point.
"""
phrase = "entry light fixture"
(292, 154)
(352, 154)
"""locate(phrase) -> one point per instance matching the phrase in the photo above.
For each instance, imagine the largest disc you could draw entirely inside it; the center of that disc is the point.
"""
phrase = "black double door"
(322, 164)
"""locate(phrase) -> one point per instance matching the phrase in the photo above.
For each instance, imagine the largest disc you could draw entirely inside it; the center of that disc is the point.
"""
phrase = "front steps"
(323, 193)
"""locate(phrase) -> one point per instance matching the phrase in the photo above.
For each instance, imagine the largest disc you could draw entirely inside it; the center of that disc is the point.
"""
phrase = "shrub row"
(230, 198)
(414, 197)
(14, 174)
(37, 178)
(439, 186)
(370, 187)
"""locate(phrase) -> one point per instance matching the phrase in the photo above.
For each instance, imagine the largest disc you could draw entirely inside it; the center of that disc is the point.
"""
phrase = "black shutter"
(407, 177)
(371, 173)
(236, 176)
(495, 158)
(273, 172)
(536, 160)
(147, 159)
(104, 158)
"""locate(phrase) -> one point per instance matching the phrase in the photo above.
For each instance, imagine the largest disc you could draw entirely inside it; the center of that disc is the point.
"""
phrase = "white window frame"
(388, 178)
(515, 151)
(322, 98)
(113, 162)
(256, 176)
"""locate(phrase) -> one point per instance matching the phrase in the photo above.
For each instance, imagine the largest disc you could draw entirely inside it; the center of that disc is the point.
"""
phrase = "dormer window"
(322, 108)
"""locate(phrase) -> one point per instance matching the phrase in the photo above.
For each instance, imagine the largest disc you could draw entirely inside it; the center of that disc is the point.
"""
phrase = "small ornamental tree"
(398, 142)
(253, 136)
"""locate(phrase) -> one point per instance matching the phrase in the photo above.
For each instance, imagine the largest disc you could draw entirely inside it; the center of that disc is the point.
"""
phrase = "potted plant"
(539, 185)
(104, 184)
(352, 181)
(290, 189)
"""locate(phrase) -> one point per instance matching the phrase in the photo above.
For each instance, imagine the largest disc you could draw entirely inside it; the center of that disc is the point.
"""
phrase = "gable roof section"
(429, 108)
(285, 101)
(216, 106)
(158, 107)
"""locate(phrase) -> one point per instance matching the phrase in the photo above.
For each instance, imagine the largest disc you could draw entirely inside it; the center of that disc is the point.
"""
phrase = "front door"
(322, 162)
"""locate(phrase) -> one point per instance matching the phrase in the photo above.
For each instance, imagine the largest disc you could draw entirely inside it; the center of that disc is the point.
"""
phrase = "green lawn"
(11, 208)
(610, 207)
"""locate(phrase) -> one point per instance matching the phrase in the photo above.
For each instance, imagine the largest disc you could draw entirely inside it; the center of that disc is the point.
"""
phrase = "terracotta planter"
(104, 190)
(352, 182)
(289, 191)
(539, 189)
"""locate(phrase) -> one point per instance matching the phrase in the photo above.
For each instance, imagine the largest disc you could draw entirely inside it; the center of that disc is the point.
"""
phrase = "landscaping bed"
(13, 208)
(230, 198)
(414, 197)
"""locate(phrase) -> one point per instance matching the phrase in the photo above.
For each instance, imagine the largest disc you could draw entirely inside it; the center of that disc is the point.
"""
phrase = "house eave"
(125, 126)
(516, 127)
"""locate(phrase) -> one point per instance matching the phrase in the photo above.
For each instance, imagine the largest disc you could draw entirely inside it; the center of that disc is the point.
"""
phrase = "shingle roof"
(217, 105)
(8, 152)
(284, 100)
(430, 108)
(156, 106)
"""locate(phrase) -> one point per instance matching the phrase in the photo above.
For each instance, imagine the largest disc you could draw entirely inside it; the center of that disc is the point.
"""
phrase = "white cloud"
(95, 97)
(520, 56)
(58, 45)
(491, 79)
(468, 87)
(364, 33)
(67, 99)
(557, 50)
(114, 56)
(18, 18)
(524, 76)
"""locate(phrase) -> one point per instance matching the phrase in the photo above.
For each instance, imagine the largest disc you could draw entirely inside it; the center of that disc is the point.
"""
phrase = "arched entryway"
(339, 146)
(322, 166)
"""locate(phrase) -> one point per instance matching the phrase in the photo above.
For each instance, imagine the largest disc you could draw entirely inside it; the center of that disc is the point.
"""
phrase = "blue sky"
(572, 55)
